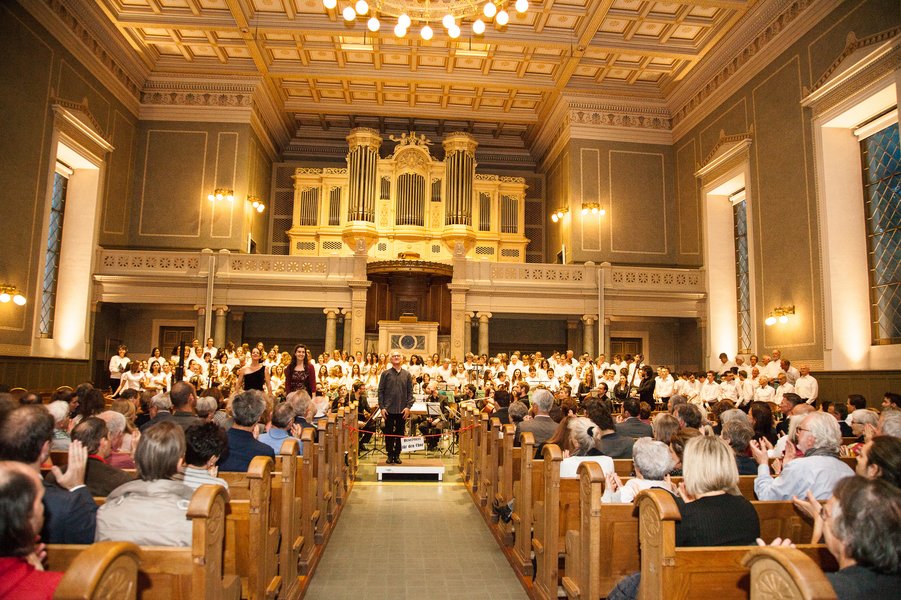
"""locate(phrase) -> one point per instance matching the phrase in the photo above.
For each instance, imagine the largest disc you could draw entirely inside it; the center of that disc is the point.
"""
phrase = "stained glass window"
(881, 159)
(742, 275)
(51, 254)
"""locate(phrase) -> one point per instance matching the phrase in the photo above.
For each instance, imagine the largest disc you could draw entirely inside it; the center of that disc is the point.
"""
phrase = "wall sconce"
(556, 216)
(256, 203)
(594, 208)
(222, 194)
(11, 292)
(780, 313)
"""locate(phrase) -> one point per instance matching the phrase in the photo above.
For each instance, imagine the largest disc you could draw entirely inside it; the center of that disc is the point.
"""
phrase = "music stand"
(378, 436)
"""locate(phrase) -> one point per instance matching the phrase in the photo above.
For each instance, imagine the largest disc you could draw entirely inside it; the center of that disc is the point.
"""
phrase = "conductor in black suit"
(395, 400)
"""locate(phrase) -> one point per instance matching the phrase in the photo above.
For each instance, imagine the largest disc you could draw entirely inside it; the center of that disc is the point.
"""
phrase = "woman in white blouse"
(133, 379)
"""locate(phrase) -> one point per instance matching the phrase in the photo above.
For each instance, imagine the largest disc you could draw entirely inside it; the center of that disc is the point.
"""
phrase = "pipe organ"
(408, 204)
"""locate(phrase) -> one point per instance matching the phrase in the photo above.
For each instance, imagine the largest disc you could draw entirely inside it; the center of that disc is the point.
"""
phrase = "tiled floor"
(418, 540)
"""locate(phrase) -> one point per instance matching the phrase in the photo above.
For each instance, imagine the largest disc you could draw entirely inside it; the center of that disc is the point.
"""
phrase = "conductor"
(395, 400)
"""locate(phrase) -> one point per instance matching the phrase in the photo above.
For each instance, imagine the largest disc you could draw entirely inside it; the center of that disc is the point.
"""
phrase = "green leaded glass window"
(881, 158)
(51, 254)
(742, 275)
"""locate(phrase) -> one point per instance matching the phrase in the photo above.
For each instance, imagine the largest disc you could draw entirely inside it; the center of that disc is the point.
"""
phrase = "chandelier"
(422, 13)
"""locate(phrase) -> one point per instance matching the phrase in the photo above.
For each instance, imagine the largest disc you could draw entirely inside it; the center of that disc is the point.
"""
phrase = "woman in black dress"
(255, 376)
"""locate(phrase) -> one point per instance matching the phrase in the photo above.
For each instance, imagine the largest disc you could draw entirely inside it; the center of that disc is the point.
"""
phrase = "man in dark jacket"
(242, 446)
(633, 426)
(100, 477)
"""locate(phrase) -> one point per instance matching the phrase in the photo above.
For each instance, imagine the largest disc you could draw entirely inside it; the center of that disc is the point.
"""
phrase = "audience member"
(59, 410)
(818, 470)
(204, 444)
(206, 408)
(787, 406)
(541, 425)
(183, 396)
(632, 426)
(610, 443)
(152, 510)
(761, 416)
(247, 407)
(117, 424)
(738, 435)
(652, 461)
(281, 427)
(160, 410)
(665, 427)
(100, 477)
(69, 509)
(22, 575)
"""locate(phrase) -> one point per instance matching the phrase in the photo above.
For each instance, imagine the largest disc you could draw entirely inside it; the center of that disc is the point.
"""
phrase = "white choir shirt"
(117, 366)
(431, 370)
(729, 390)
(213, 351)
(133, 381)
(765, 393)
(772, 370)
(710, 392)
(721, 367)
(781, 391)
(513, 366)
(663, 388)
(747, 392)
(691, 390)
(156, 359)
(807, 387)
(792, 374)
(746, 368)
(445, 372)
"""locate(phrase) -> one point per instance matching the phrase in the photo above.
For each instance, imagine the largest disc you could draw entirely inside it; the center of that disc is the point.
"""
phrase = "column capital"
(331, 313)
(220, 310)
(484, 316)
(589, 319)
(201, 310)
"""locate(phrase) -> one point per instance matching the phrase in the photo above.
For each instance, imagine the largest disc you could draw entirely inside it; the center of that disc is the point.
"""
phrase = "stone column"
(572, 333)
(238, 320)
(201, 323)
(458, 320)
(605, 336)
(348, 320)
(219, 335)
(483, 332)
(588, 334)
(467, 333)
(331, 328)
(705, 344)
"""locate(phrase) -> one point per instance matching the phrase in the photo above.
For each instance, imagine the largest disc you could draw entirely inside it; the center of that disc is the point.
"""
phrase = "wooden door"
(171, 336)
(623, 346)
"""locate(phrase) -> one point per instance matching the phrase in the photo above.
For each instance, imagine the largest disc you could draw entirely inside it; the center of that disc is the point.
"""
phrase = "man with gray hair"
(281, 427)
(160, 409)
(819, 439)
(206, 407)
(541, 424)
(60, 412)
(247, 407)
(116, 424)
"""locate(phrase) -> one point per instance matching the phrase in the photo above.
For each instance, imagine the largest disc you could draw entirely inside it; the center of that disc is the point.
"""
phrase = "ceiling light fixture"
(559, 213)
(780, 314)
(222, 194)
(593, 208)
(450, 13)
(11, 292)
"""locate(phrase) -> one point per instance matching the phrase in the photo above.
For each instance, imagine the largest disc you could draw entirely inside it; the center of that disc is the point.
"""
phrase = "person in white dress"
(118, 364)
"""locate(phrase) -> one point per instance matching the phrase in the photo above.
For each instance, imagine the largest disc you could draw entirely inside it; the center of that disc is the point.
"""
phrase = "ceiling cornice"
(80, 31)
(769, 29)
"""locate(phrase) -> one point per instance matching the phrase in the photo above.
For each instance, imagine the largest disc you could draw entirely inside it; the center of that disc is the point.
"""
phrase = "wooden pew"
(508, 471)
(102, 570)
(321, 479)
(530, 470)
(605, 547)
(483, 455)
(670, 573)
(331, 469)
(309, 514)
(339, 470)
(286, 513)
(179, 573)
(251, 543)
(491, 464)
(787, 574)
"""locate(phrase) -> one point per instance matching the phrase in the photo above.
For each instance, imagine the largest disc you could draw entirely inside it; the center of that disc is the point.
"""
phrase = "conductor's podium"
(411, 467)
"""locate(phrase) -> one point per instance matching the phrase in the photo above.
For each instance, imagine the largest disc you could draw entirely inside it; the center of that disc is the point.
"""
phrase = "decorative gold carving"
(411, 158)
(410, 140)
(619, 119)
(724, 140)
(852, 44)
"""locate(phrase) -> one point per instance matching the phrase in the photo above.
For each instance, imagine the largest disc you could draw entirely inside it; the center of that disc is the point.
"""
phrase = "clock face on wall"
(408, 342)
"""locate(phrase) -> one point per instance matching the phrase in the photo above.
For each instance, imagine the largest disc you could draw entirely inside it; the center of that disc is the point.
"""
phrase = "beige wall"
(782, 198)
(177, 164)
(36, 70)
(558, 196)
(635, 184)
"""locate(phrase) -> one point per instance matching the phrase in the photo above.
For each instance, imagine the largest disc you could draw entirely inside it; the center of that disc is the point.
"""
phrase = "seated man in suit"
(633, 426)
(541, 424)
(100, 477)
(242, 446)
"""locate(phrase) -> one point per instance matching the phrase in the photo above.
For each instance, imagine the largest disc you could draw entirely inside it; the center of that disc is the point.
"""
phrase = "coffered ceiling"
(321, 74)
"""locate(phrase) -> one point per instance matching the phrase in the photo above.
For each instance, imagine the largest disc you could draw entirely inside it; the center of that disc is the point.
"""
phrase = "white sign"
(412, 444)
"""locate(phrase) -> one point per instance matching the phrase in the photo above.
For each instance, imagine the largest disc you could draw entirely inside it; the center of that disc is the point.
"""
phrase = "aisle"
(412, 540)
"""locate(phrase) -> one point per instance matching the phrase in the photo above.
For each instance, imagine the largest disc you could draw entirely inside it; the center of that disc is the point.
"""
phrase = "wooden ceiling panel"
(322, 66)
